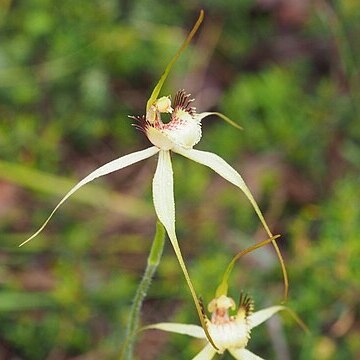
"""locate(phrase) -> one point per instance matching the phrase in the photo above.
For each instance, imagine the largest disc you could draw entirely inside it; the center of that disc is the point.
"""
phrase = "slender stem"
(153, 261)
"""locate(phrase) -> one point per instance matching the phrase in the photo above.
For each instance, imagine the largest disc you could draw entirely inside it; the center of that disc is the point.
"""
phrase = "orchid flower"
(229, 332)
(179, 135)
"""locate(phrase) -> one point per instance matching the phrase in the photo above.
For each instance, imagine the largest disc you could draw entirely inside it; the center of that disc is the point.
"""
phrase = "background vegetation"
(71, 72)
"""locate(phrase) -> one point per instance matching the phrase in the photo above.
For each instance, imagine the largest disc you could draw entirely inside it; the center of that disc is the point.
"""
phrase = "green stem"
(153, 261)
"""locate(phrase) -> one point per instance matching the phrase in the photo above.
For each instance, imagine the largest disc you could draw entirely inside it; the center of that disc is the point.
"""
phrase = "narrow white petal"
(163, 194)
(260, 316)
(163, 191)
(108, 168)
(220, 166)
(220, 115)
(207, 353)
(185, 329)
(243, 354)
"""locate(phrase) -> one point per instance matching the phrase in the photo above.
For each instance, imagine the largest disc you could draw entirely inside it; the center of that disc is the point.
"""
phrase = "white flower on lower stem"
(230, 333)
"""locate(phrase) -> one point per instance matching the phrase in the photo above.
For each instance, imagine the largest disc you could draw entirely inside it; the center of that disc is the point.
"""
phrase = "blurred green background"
(71, 72)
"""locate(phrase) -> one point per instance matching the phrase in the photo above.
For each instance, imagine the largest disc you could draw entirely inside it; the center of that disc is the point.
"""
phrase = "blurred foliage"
(71, 72)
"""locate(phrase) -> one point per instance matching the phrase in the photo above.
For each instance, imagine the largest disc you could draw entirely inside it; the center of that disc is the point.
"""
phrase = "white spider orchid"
(179, 136)
(230, 333)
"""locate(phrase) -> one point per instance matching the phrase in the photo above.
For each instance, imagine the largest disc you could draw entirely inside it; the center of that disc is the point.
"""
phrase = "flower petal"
(185, 329)
(260, 316)
(223, 287)
(163, 77)
(243, 354)
(163, 194)
(108, 168)
(163, 191)
(207, 353)
(221, 116)
(220, 166)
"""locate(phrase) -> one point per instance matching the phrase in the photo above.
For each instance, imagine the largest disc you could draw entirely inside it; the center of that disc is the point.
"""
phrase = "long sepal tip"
(159, 85)
(221, 116)
(223, 287)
